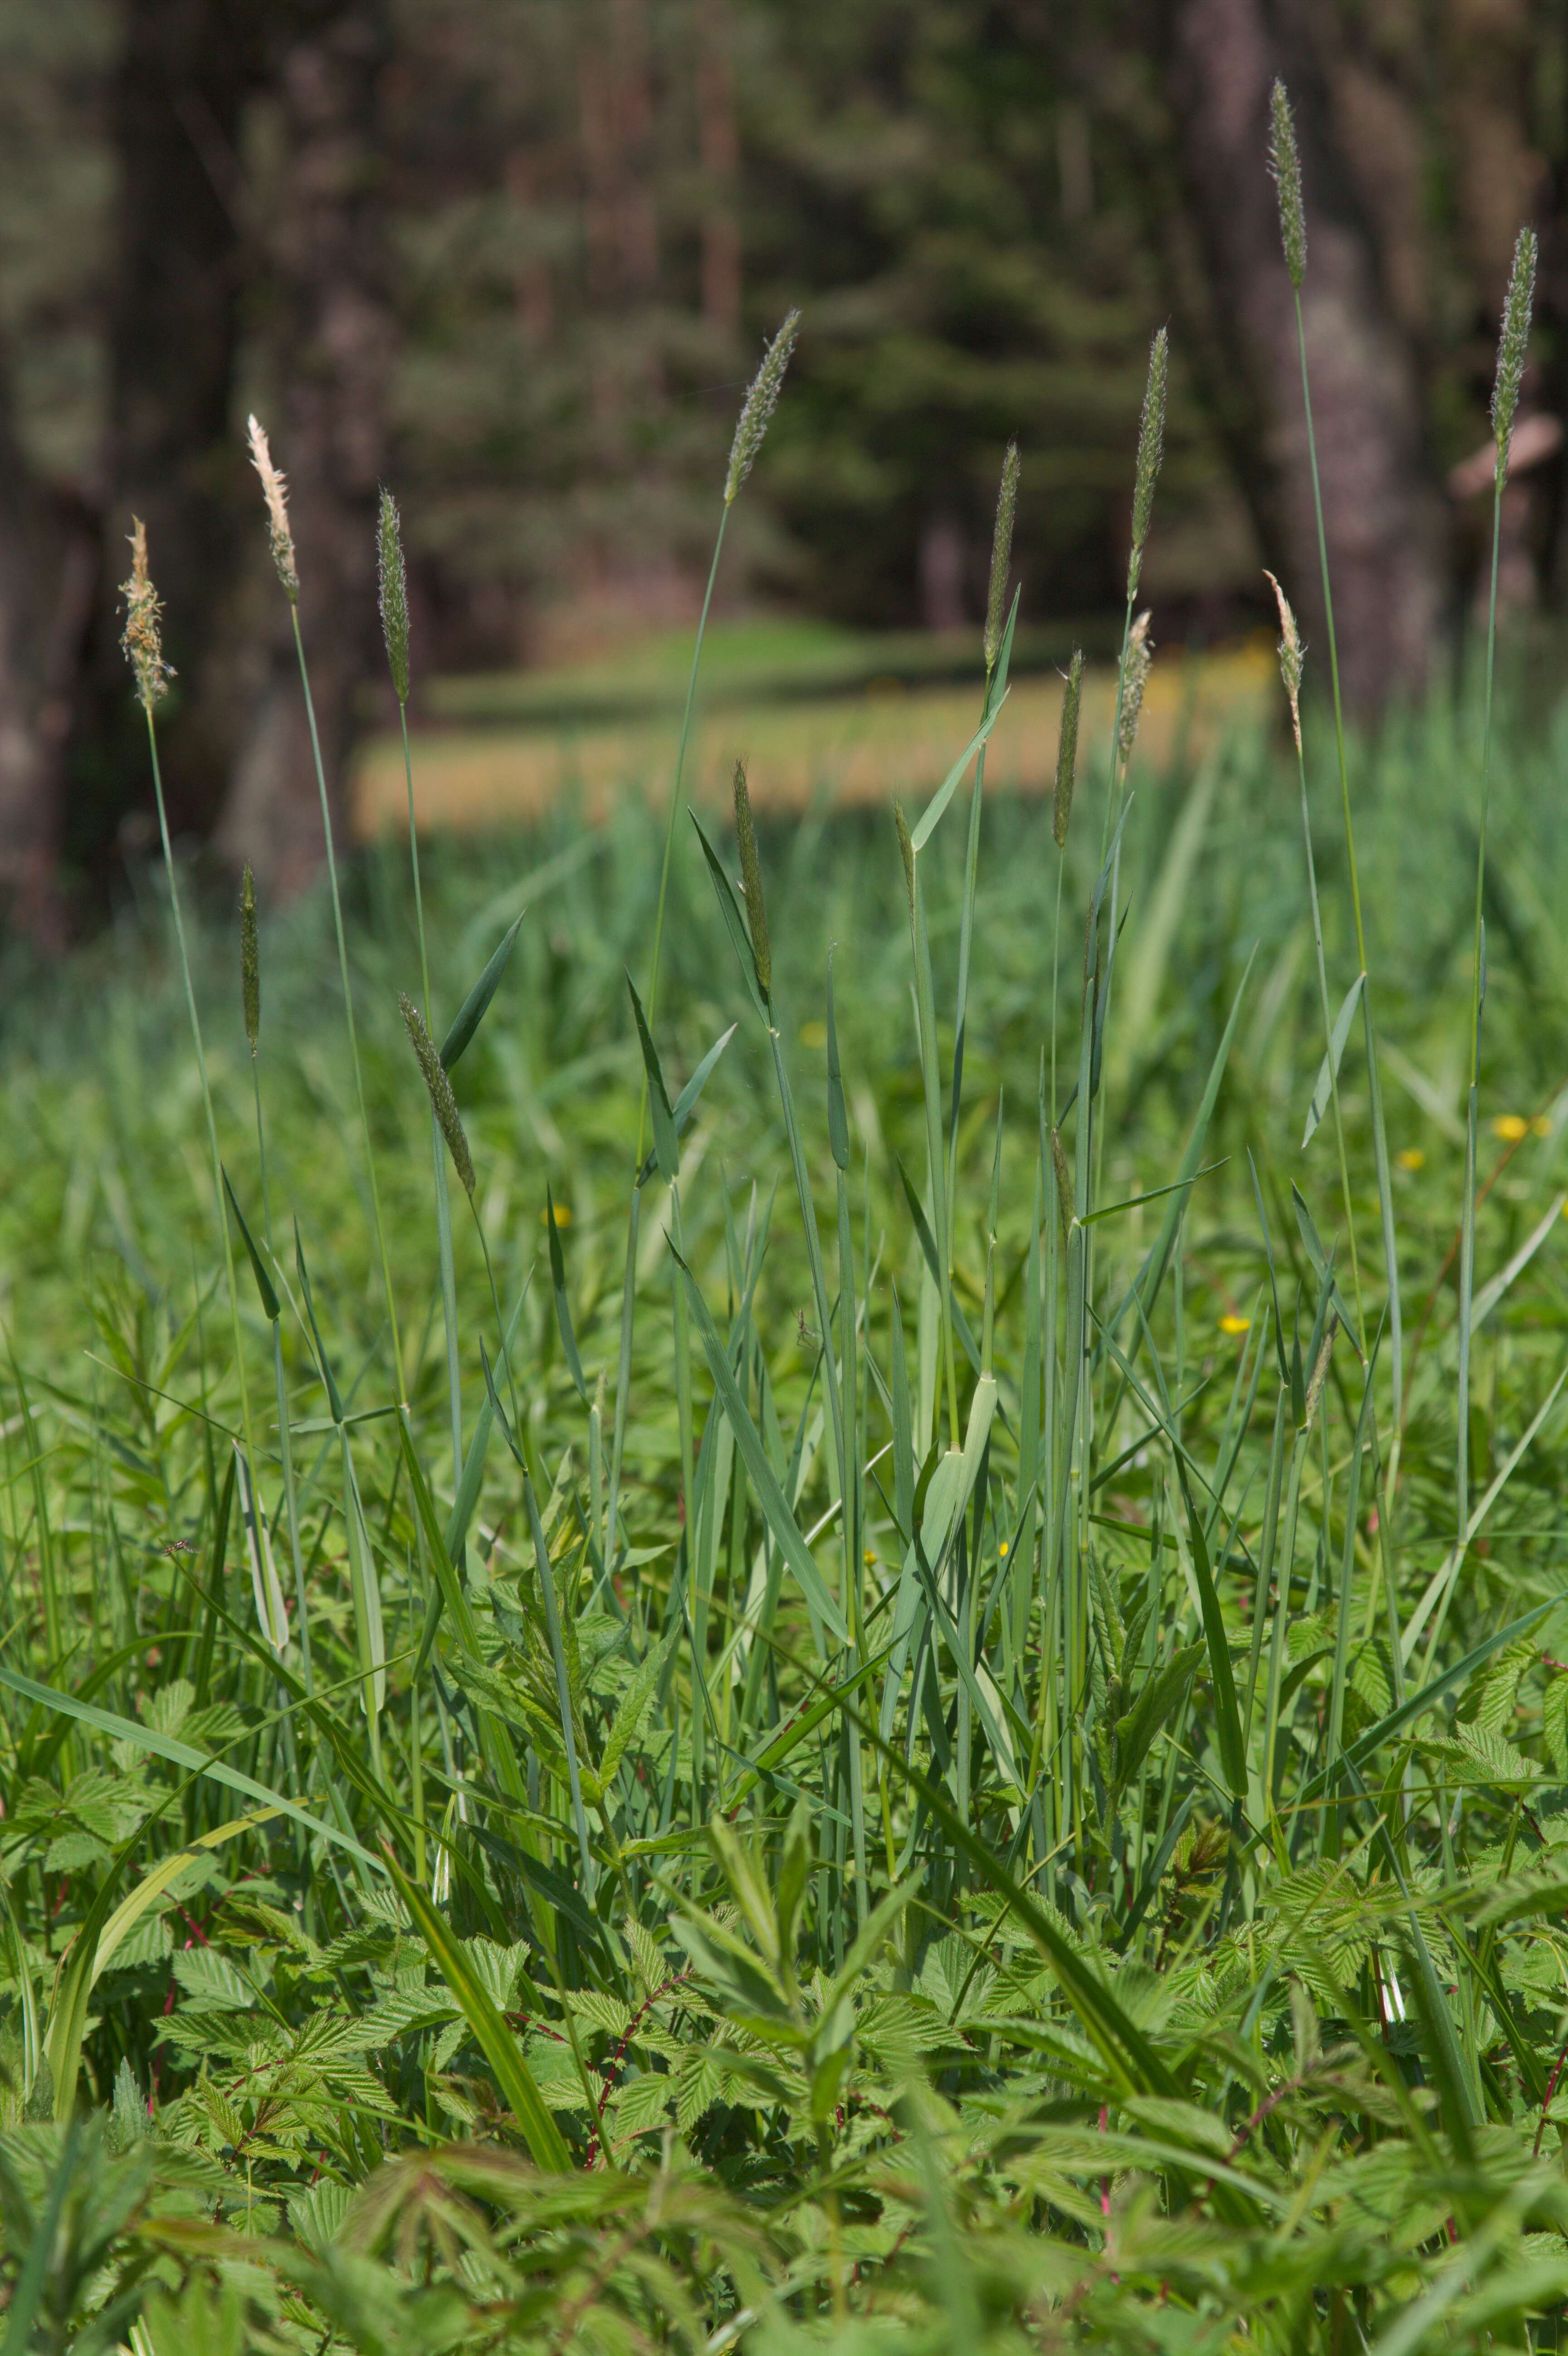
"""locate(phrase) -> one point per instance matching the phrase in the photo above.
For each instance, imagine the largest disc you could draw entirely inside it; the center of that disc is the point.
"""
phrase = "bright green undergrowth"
(807, 1610)
(1115, 1896)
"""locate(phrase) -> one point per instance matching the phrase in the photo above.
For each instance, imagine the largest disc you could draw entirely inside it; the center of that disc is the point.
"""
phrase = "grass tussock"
(902, 1678)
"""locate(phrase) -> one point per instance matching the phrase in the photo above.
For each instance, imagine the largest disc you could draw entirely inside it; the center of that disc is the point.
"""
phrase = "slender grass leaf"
(472, 1011)
(494, 2039)
(1328, 1070)
(781, 1522)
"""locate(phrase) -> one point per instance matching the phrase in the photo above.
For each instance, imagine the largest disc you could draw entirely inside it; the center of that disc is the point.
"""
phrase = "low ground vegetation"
(867, 1640)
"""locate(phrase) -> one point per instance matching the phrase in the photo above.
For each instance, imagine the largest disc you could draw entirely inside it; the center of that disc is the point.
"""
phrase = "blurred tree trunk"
(174, 329)
(719, 144)
(1384, 513)
(48, 566)
(331, 339)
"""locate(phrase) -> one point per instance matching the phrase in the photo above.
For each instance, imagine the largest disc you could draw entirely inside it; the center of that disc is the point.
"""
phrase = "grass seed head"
(442, 1102)
(143, 640)
(1001, 555)
(1292, 654)
(1067, 749)
(250, 961)
(1320, 1376)
(1285, 162)
(394, 594)
(1513, 341)
(1151, 449)
(276, 490)
(751, 883)
(1140, 656)
(762, 399)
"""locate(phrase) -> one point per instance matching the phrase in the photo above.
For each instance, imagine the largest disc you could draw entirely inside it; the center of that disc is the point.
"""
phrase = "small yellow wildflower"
(1413, 1158)
(1231, 1324)
(814, 1035)
(1510, 1127)
(871, 1552)
(563, 1215)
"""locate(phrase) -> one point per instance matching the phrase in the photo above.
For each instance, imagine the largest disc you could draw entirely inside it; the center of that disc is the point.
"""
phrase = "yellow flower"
(1003, 1549)
(871, 1552)
(1231, 1324)
(563, 1215)
(814, 1035)
(1510, 1127)
(1413, 1158)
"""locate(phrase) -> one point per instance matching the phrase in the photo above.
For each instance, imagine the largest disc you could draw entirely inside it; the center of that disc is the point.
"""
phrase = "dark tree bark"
(331, 339)
(1384, 513)
(49, 567)
(175, 324)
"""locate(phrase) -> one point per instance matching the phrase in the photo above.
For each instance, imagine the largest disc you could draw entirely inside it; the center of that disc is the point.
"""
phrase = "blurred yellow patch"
(563, 1215)
(1234, 1324)
(1540, 1126)
(1412, 1158)
(814, 1035)
(1510, 1127)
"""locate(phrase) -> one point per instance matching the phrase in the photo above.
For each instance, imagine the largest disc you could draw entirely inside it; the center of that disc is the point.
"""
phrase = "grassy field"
(936, 1715)
(826, 718)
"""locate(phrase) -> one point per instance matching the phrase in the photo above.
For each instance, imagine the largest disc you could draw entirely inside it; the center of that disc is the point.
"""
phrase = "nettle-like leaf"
(210, 1983)
(1475, 1758)
(642, 2103)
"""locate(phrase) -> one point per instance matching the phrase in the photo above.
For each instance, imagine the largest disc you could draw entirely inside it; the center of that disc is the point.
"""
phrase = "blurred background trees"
(516, 257)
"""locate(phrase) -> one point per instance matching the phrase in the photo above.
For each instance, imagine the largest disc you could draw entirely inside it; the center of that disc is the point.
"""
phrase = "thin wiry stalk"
(348, 1001)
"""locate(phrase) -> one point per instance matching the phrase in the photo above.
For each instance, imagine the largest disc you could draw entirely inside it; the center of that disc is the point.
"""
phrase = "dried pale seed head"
(394, 594)
(1513, 342)
(1067, 749)
(1292, 654)
(1285, 162)
(143, 640)
(1134, 678)
(250, 961)
(762, 399)
(1001, 555)
(1151, 448)
(751, 883)
(906, 850)
(277, 496)
(442, 1102)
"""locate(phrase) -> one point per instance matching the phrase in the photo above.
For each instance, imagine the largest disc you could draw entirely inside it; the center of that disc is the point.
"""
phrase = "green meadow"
(805, 1585)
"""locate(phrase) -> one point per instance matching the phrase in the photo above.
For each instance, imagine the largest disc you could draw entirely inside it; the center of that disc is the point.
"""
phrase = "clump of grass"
(998, 1809)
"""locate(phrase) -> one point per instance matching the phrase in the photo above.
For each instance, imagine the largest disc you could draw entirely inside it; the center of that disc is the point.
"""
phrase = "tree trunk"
(332, 341)
(718, 145)
(1381, 508)
(173, 329)
(49, 566)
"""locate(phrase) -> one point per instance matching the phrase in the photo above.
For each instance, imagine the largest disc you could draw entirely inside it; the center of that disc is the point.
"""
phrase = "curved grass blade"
(471, 1014)
(182, 1754)
(494, 2039)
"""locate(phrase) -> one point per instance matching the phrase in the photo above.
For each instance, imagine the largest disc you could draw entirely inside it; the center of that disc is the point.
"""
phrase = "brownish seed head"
(276, 491)
(143, 639)
(250, 961)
